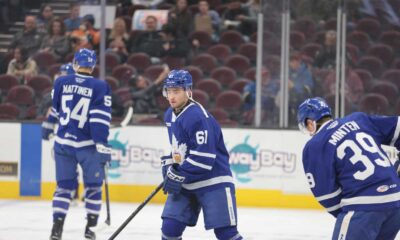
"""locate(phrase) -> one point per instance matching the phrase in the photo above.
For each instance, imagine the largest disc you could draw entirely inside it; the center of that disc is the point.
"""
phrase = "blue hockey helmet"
(85, 58)
(66, 69)
(314, 109)
(178, 79)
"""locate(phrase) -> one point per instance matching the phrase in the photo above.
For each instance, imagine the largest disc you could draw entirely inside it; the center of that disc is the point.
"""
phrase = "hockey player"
(348, 171)
(196, 174)
(48, 126)
(83, 106)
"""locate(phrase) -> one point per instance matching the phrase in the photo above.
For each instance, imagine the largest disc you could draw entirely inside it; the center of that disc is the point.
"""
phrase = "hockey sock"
(62, 198)
(227, 233)
(93, 199)
(172, 229)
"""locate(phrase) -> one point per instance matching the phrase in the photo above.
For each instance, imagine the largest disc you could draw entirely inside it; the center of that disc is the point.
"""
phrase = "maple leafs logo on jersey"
(178, 150)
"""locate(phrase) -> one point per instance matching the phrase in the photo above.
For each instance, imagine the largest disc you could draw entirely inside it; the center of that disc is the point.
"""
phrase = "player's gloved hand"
(47, 130)
(103, 153)
(173, 180)
(166, 162)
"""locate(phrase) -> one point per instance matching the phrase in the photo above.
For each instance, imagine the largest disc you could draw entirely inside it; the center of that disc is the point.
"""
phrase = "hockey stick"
(155, 191)
(108, 220)
(126, 120)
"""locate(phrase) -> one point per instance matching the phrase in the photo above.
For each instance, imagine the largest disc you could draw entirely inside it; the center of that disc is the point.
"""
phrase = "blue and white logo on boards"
(252, 160)
(119, 150)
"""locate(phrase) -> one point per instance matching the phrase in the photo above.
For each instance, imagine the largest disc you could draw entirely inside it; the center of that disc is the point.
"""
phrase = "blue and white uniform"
(351, 175)
(198, 146)
(82, 106)
(197, 173)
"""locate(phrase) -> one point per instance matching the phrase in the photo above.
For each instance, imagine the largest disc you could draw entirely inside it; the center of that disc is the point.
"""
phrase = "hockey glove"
(103, 153)
(47, 130)
(166, 162)
(173, 180)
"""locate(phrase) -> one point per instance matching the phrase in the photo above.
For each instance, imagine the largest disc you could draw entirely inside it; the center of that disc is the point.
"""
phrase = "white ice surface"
(23, 220)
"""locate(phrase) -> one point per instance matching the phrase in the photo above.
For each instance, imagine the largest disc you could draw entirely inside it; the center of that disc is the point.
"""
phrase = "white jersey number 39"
(367, 143)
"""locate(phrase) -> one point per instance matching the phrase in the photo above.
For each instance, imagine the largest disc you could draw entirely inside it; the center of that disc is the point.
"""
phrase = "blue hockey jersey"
(347, 168)
(198, 146)
(82, 105)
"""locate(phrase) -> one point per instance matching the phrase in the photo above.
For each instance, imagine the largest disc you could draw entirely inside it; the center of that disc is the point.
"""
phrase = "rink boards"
(266, 165)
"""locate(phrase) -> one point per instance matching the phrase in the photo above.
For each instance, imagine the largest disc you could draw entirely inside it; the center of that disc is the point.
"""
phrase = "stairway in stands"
(60, 9)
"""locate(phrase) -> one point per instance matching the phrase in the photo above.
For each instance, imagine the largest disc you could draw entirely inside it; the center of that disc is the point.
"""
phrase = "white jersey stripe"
(345, 225)
(94, 111)
(208, 182)
(202, 108)
(333, 208)
(230, 206)
(99, 120)
(197, 164)
(73, 143)
(61, 210)
(53, 114)
(92, 201)
(92, 211)
(371, 199)
(396, 132)
(48, 125)
(61, 199)
(174, 117)
(330, 195)
(202, 154)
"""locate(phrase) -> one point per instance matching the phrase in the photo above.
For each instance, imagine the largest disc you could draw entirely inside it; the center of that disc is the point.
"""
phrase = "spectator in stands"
(180, 19)
(44, 18)
(248, 21)
(123, 7)
(118, 47)
(92, 33)
(242, 17)
(56, 41)
(119, 31)
(86, 36)
(143, 92)
(29, 37)
(119, 37)
(207, 20)
(300, 77)
(74, 21)
(22, 66)
(326, 57)
(172, 45)
(269, 91)
(301, 84)
(354, 87)
(148, 41)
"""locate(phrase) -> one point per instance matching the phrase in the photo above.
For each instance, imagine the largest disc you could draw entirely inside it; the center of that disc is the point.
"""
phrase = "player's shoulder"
(61, 80)
(356, 116)
(195, 112)
(100, 83)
